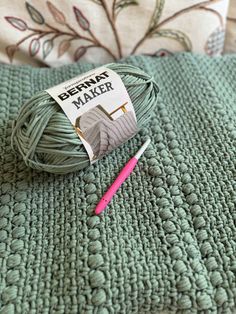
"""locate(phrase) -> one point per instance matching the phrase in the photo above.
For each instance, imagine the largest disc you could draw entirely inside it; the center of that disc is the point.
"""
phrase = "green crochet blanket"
(167, 241)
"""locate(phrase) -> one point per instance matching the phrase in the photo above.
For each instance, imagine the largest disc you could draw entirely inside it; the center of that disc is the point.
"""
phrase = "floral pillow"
(58, 32)
(230, 41)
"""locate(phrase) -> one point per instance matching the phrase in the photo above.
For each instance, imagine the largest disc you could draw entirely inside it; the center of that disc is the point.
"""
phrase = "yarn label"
(99, 107)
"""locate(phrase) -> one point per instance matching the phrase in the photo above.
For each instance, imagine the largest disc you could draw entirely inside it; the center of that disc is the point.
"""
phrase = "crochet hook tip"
(123, 175)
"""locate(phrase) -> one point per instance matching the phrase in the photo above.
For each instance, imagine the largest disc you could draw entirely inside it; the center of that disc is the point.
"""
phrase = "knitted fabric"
(167, 241)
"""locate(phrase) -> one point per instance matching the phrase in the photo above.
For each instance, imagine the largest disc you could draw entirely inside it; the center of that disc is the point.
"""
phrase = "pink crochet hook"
(123, 175)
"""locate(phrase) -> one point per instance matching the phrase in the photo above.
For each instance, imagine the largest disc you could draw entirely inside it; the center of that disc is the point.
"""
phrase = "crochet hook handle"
(123, 175)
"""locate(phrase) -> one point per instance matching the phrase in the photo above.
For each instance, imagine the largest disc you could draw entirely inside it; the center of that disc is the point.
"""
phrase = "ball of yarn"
(45, 137)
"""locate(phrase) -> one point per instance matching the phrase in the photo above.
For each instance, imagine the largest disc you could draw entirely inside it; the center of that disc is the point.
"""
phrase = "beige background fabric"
(58, 32)
(230, 41)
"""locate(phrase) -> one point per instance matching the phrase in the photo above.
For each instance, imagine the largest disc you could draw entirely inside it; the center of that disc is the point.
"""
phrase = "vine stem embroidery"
(76, 35)
(59, 17)
(113, 10)
(24, 39)
(95, 41)
(111, 20)
(149, 32)
(216, 13)
(155, 28)
(231, 19)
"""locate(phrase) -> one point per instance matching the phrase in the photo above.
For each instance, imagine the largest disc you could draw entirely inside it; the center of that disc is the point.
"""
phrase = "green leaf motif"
(11, 50)
(81, 19)
(34, 47)
(79, 53)
(157, 14)
(63, 47)
(35, 15)
(58, 16)
(17, 23)
(47, 48)
(125, 3)
(175, 35)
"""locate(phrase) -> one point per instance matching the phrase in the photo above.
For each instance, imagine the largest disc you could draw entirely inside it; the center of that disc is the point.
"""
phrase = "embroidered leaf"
(59, 17)
(17, 23)
(215, 42)
(47, 48)
(81, 19)
(176, 35)
(156, 14)
(79, 52)
(34, 47)
(63, 47)
(10, 50)
(34, 14)
(125, 3)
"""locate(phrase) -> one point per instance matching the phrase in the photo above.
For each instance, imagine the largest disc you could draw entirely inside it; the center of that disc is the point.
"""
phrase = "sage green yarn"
(167, 241)
(46, 139)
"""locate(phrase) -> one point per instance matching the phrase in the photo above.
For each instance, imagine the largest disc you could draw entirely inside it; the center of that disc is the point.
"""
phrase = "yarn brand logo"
(99, 108)
(92, 93)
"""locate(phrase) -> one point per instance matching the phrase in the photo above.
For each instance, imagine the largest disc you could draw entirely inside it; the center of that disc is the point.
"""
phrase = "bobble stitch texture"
(167, 240)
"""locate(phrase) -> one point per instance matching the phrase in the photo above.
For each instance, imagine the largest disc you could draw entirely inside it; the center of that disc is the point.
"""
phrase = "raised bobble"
(3, 223)
(204, 301)
(221, 296)
(17, 245)
(90, 188)
(206, 248)
(169, 226)
(163, 202)
(165, 214)
(192, 251)
(216, 279)
(96, 278)
(155, 171)
(199, 222)
(180, 267)
(4, 210)
(176, 253)
(95, 260)
(9, 294)
(3, 235)
(89, 177)
(12, 276)
(172, 180)
(192, 198)
(95, 247)
(99, 297)
(94, 234)
(184, 302)
(8, 309)
(201, 282)
(187, 188)
(186, 178)
(93, 221)
(159, 192)
(184, 284)
(13, 260)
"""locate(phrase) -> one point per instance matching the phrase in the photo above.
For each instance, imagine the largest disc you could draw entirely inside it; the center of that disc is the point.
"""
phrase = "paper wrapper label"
(100, 109)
